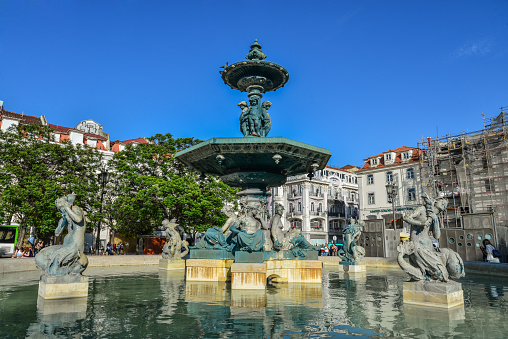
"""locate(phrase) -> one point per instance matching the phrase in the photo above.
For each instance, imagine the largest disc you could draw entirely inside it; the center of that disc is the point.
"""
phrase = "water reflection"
(57, 317)
(158, 304)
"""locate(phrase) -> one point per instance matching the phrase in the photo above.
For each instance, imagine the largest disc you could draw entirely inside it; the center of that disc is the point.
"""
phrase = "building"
(400, 168)
(319, 206)
(471, 171)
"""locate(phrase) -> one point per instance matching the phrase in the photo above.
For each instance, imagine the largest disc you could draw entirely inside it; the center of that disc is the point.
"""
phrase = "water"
(148, 303)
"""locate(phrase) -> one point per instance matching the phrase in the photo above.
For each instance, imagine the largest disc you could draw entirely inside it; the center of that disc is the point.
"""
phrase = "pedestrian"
(490, 253)
(327, 251)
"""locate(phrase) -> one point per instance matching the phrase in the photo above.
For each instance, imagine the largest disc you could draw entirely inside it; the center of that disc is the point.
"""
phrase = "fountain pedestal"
(208, 270)
(295, 271)
(63, 287)
(172, 264)
(433, 294)
(248, 276)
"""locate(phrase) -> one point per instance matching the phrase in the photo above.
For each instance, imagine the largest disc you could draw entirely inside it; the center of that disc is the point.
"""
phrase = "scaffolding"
(471, 170)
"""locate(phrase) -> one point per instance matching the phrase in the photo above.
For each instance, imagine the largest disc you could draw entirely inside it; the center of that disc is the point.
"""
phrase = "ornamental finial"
(255, 52)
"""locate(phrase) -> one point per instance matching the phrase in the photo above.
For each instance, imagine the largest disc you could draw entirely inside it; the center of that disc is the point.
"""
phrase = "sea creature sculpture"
(173, 247)
(427, 262)
(68, 258)
(351, 252)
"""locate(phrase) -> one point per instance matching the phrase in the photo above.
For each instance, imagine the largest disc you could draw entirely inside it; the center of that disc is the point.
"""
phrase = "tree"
(148, 185)
(34, 172)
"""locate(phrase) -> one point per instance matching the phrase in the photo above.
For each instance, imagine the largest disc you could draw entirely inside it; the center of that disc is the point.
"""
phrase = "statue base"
(208, 270)
(248, 276)
(204, 253)
(289, 255)
(294, 271)
(251, 257)
(352, 268)
(433, 294)
(63, 287)
(172, 264)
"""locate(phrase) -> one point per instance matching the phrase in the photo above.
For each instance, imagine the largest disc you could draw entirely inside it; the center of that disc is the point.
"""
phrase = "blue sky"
(364, 76)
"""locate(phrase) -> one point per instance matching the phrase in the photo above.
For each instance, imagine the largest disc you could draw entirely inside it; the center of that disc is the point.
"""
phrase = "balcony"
(295, 214)
(335, 214)
(294, 195)
(318, 213)
(317, 195)
(316, 228)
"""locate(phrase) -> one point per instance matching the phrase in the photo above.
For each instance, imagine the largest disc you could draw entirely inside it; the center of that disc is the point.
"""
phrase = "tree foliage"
(34, 172)
(147, 185)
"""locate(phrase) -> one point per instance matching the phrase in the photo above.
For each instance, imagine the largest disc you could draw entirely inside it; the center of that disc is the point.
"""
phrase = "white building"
(401, 166)
(320, 206)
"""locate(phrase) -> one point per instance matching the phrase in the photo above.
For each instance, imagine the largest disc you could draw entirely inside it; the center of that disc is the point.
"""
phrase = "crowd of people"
(328, 250)
(28, 251)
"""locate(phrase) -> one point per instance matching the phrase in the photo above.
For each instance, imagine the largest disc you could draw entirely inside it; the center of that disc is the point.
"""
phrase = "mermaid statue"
(68, 258)
(426, 262)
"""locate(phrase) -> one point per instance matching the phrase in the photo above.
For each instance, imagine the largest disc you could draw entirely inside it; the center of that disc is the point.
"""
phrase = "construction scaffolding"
(471, 171)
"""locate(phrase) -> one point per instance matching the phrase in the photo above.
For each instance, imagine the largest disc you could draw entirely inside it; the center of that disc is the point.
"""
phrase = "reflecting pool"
(148, 303)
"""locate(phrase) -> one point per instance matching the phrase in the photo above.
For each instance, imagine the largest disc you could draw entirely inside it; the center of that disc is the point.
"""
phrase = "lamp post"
(392, 190)
(103, 179)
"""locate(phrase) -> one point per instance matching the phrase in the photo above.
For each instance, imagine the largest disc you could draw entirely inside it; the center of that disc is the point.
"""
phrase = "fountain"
(245, 248)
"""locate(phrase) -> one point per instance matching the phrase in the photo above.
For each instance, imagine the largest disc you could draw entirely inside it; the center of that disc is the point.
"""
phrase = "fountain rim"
(253, 140)
(276, 68)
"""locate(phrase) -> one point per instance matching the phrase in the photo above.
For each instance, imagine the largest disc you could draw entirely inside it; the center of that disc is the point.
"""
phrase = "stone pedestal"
(249, 257)
(294, 271)
(433, 294)
(208, 270)
(204, 253)
(172, 264)
(63, 287)
(352, 268)
(64, 309)
(248, 276)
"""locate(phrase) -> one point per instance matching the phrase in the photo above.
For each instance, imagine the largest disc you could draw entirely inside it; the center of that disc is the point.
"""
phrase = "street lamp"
(103, 179)
(392, 190)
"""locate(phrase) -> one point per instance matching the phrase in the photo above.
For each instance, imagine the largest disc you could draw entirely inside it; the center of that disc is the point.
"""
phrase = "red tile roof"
(139, 140)
(23, 118)
(66, 130)
(415, 157)
(343, 169)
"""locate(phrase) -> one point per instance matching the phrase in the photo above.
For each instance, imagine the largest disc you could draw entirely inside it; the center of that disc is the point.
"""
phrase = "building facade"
(319, 206)
(399, 166)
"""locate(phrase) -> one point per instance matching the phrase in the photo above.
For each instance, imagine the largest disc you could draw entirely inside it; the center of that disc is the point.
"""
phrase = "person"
(488, 251)
(18, 253)
(334, 250)
(27, 252)
(327, 250)
(108, 248)
(39, 246)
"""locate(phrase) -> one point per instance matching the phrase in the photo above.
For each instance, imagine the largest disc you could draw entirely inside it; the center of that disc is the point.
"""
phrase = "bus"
(8, 239)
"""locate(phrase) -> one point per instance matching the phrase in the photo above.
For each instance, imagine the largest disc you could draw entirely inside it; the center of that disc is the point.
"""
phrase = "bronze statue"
(68, 258)
(173, 247)
(427, 262)
(351, 252)
(254, 119)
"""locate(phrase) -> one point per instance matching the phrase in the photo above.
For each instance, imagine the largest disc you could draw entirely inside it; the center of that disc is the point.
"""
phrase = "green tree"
(34, 172)
(148, 185)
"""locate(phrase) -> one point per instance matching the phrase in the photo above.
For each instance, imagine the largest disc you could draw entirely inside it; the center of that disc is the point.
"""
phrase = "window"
(406, 156)
(291, 208)
(316, 223)
(411, 194)
(299, 206)
(410, 173)
(370, 179)
(296, 223)
(320, 207)
(370, 199)
(312, 206)
(388, 156)
(389, 176)
(299, 189)
(374, 162)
